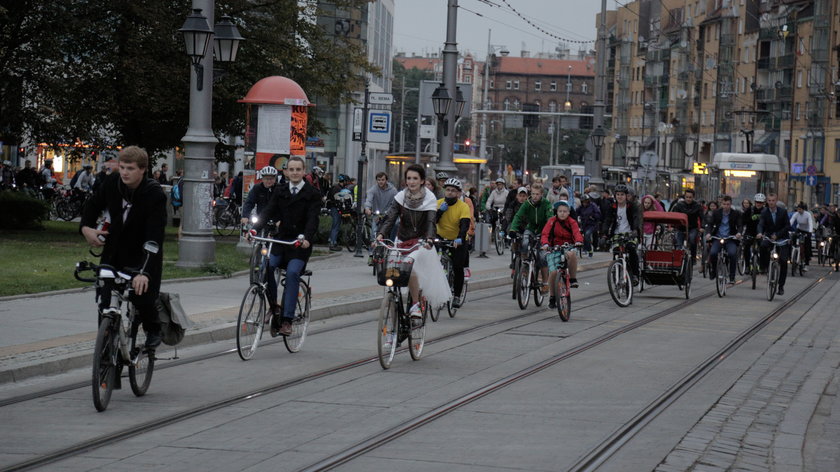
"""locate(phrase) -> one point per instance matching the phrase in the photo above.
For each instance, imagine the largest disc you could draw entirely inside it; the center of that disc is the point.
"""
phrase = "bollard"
(482, 238)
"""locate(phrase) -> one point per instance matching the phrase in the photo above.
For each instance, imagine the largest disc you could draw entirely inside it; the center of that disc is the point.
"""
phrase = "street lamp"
(459, 102)
(197, 34)
(226, 40)
(441, 101)
(568, 104)
(597, 138)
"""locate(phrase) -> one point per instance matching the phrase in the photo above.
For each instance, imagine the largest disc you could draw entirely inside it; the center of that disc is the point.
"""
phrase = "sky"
(420, 25)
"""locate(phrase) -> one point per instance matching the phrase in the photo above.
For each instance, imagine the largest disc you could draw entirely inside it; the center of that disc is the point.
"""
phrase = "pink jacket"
(649, 228)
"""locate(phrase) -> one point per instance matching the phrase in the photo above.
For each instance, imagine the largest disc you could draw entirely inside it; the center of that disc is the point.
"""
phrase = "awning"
(752, 161)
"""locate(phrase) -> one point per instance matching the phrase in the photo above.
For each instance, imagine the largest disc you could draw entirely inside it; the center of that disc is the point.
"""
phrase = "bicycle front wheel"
(754, 270)
(720, 276)
(500, 240)
(300, 324)
(742, 263)
(386, 335)
(563, 297)
(104, 364)
(619, 283)
(794, 261)
(523, 292)
(250, 323)
(772, 279)
(141, 366)
(417, 334)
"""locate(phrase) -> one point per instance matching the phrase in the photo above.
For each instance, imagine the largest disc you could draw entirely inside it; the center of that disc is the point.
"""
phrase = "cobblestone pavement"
(780, 408)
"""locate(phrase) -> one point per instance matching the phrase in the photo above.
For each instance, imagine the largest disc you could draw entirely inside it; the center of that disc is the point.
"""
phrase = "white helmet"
(759, 197)
(268, 170)
(453, 182)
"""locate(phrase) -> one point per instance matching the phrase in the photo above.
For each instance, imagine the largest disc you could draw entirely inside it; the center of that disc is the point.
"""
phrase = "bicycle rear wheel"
(794, 260)
(619, 283)
(523, 291)
(537, 283)
(142, 365)
(563, 297)
(417, 334)
(386, 335)
(104, 364)
(250, 323)
(300, 324)
(753, 269)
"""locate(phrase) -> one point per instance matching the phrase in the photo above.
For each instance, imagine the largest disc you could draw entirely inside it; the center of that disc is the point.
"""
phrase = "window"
(798, 112)
(508, 84)
(798, 79)
(516, 85)
(468, 79)
(584, 87)
(492, 83)
(516, 104)
(507, 104)
(553, 86)
(552, 106)
(538, 85)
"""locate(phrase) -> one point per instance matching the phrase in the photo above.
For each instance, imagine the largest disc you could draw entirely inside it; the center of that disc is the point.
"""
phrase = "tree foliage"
(108, 72)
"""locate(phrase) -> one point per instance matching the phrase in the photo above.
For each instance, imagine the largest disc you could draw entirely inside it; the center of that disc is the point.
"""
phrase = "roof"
(276, 90)
(542, 66)
(421, 63)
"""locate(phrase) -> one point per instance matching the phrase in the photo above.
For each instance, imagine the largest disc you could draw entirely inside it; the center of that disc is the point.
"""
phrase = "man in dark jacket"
(726, 222)
(625, 217)
(775, 225)
(136, 208)
(260, 194)
(589, 216)
(295, 205)
(694, 211)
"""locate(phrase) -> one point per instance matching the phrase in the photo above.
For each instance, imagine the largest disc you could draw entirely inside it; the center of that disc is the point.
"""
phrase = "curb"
(166, 281)
(226, 332)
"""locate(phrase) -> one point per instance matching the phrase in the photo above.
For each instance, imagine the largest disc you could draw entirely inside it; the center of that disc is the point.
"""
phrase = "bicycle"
(225, 216)
(741, 262)
(773, 268)
(254, 312)
(797, 253)
(395, 325)
(117, 344)
(557, 261)
(378, 253)
(515, 264)
(530, 277)
(619, 280)
(722, 266)
(754, 266)
(443, 247)
(498, 232)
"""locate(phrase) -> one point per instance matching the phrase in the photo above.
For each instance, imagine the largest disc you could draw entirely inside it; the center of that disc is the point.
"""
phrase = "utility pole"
(360, 185)
(593, 166)
(450, 66)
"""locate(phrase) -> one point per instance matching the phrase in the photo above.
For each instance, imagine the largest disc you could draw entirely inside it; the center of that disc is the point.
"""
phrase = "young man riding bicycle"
(625, 217)
(775, 225)
(295, 206)
(726, 222)
(453, 222)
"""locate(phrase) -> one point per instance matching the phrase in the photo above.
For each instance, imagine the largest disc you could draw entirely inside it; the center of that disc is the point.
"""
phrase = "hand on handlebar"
(140, 284)
(92, 236)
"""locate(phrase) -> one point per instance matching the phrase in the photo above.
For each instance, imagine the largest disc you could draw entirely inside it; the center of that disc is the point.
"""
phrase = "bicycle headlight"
(389, 283)
(822, 243)
(264, 251)
(722, 241)
(775, 256)
(254, 219)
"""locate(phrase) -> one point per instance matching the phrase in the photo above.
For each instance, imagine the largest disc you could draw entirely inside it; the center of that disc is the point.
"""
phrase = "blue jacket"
(589, 216)
(780, 228)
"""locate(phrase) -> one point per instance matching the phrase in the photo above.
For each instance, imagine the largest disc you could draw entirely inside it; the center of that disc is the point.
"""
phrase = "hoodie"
(649, 227)
(379, 199)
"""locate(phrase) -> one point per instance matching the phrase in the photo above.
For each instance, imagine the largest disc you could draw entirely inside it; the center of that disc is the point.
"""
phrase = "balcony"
(785, 62)
(765, 94)
(764, 63)
(784, 93)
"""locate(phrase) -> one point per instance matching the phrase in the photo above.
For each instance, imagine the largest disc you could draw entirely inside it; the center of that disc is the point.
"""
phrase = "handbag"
(172, 318)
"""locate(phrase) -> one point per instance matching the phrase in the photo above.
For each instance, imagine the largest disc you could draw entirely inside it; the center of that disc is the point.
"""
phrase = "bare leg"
(414, 288)
(572, 258)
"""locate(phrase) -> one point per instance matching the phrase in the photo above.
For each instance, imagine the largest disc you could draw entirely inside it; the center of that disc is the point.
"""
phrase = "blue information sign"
(811, 180)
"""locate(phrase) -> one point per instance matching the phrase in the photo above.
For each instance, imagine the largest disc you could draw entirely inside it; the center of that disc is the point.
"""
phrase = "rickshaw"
(661, 260)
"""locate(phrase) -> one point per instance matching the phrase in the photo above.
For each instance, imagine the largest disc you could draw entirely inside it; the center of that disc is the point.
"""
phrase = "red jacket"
(566, 231)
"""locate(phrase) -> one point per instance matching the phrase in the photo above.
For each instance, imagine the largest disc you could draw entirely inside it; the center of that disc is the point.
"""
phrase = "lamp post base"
(196, 251)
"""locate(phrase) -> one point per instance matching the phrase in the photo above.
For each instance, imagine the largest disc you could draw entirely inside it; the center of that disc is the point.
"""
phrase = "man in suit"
(295, 206)
(135, 208)
(775, 225)
(726, 222)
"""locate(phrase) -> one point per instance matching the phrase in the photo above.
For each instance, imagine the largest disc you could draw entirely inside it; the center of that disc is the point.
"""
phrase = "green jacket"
(532, 217)
(484, 194)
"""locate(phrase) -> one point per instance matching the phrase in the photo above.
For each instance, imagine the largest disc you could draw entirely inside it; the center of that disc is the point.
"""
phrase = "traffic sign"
(379, 126)
(811, 180)
(811, 170)
(358, 113)
(377, 98)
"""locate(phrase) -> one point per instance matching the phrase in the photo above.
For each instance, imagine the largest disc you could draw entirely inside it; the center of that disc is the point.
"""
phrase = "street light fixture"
(597, 138)
(441, 102)
(196, 38)
(568, 104)
(226, 40)
(460, 102)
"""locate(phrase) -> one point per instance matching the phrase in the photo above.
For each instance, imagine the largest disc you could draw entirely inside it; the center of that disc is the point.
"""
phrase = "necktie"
(294, 191)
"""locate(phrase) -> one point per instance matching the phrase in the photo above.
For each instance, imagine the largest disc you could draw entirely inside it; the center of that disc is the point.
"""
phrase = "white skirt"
(430, 276)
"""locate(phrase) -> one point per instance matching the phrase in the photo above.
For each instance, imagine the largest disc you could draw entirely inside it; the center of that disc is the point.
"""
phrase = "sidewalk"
(46, 335)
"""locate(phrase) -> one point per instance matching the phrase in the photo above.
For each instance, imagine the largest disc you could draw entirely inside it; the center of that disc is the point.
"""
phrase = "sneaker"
(805, 269)
(467, 273)
(552, 302)
(590, 253)
(573, 283)
(285, 328)
(781, 291)
(153, 340)
(415, 312)
(335, 248)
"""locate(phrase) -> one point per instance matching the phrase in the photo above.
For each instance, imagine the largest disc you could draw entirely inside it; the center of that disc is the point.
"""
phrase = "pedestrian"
(163, 178)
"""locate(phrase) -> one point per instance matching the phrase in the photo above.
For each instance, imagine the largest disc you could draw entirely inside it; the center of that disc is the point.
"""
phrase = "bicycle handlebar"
(295, 242)
(780, 242)
(393, 245)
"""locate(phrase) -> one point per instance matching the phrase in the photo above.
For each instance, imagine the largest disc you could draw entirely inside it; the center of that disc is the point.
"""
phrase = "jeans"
(336, 223)
(293, 270)
(731, 249)
(588, 239)
(692, 241)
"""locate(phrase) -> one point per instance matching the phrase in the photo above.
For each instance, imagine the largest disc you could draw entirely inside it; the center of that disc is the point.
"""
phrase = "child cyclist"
(561, 229)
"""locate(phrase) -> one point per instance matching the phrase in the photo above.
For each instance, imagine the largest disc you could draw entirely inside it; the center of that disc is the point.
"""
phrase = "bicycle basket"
(555, 260)
(396, 266)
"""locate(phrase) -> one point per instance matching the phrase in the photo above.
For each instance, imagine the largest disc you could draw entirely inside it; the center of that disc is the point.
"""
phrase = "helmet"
(342, 178)
(453, 182)
(522, 190)
(585, 197)
(441, 175)
(561, 202)
(759, 197)
(318, 170)
(500, 180)
(7, 163)
(268, 171)
(621, 188)
(84, 166)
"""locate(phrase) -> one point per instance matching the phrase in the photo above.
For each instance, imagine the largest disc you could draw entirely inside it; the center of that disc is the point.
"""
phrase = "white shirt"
(803, 222)
(623, 222)
(292, 187)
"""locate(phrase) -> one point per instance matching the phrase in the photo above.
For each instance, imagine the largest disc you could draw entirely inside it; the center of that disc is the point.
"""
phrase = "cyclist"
(260, 194)
(496, 200)
(84, 182)
(510, 211)
(453, 223)
(379, 199)
(316, 179)
(561, 229)
(750, 219)
(803, 222)
(625, 218)
(333, 205)
(726, 221)
(589, 215)
(136, 206)
(295, 205)
(441, 177)
(694, 211)
(774, 224)
(415, 207)
(48, 179)
(531, 219)
(833, 223)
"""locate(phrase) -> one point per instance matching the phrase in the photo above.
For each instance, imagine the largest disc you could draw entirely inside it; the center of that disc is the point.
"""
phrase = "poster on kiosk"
(275, 126)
